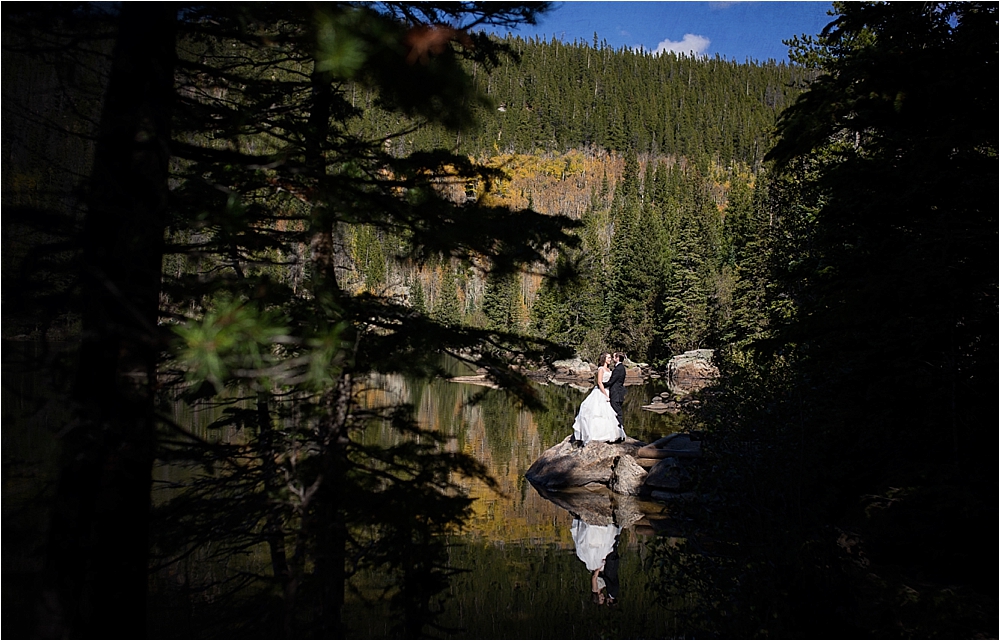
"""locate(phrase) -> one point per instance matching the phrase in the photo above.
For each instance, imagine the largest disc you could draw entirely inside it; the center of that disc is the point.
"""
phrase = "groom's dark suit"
(616, 390)
(610, 571)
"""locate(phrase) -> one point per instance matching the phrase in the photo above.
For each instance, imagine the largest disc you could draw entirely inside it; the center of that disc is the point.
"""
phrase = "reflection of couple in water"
(600, 415)
(597, 547)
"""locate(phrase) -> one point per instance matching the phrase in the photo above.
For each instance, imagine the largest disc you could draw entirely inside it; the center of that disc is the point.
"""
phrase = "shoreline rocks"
(685, 374)
(578, 372)
(693, 365)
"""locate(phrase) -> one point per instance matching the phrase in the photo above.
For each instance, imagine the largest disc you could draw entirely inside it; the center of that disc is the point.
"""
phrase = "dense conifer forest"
(272, 202)
(645, 150)
(558, 96)
(697, 129)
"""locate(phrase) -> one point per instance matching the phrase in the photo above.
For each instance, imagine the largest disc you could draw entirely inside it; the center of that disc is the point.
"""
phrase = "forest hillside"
(259, 206)
(559, 122)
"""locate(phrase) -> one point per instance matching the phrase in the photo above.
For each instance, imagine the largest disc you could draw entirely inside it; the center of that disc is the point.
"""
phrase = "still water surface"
(525, 579)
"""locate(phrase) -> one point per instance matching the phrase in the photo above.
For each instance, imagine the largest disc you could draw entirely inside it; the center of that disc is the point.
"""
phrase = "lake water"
(525, 580)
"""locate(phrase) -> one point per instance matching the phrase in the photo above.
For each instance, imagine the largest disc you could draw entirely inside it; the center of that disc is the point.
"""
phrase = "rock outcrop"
(686, 373)
(679, 445)
(571, 464)
(627, 476)
(574, 367)
(695, 364)
(619, 467)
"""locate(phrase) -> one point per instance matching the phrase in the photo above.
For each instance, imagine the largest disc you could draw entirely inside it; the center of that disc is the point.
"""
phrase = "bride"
(596, 420)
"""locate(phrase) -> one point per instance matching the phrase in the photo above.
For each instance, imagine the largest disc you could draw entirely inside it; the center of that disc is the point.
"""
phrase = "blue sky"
(734, 30)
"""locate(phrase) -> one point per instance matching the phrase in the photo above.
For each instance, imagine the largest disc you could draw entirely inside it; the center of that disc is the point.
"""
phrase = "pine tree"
(270, 175)
(737, 228)
(629, 293)
(502, 302)
(867, 321)
(447, 306)
(417, 299)
(685, 306)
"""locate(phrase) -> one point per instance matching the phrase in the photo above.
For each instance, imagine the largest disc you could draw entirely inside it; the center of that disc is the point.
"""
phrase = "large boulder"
(627, 476)
(575, 367)
(570, 464)
(580, 478)
(670, 474)
(695, 364)
(679, 445)
(634, 372)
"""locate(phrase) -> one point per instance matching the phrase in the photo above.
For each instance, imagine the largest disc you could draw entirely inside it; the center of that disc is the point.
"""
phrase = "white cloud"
(690, 44)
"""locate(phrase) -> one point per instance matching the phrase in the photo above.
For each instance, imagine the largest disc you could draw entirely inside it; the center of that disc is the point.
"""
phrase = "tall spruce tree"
(97, 548)
(268, 172)
(571, 307)
(691, 215)
(447, 306)
(856, 425)
(502, 303)
(633, 285)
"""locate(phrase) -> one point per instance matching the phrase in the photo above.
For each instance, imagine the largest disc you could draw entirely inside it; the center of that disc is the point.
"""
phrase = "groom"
(616, 386)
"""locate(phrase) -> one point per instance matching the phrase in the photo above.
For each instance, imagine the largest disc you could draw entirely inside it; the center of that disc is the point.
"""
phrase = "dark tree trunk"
(329, 527)
(274, 525)
(97, 554)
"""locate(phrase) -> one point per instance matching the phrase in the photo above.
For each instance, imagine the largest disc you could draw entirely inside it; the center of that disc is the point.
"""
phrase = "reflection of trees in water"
(501, 420)
(445, 411)
(556, 420)
(236, 529)
(563, 402)
(540, 590)
(231, 523)
(501, 434)
(230, 567)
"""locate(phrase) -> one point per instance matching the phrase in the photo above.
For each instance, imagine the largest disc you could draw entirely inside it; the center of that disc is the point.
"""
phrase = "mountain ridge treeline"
(561, 106)
(696, 128)
(555, 96)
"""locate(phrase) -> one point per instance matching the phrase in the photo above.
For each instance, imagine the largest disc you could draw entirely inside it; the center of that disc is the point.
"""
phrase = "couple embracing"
(600, 415)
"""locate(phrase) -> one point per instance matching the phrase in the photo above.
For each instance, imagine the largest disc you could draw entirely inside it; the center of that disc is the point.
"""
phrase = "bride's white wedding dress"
(596, 420)
(593, 542)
